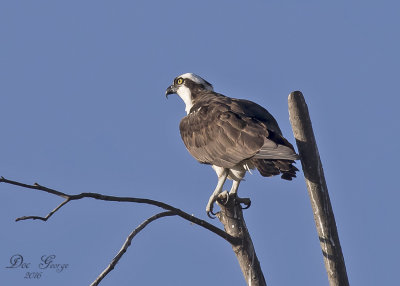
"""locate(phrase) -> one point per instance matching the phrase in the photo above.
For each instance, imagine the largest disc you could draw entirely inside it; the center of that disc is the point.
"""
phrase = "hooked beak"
(170, 90)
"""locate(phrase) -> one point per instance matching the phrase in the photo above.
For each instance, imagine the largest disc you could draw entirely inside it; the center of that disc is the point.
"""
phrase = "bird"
(232, 135)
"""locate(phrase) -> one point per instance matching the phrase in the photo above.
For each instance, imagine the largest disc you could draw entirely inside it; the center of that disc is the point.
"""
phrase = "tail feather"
(268, 168)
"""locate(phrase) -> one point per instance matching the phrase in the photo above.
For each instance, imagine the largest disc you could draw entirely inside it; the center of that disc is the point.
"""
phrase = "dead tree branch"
(171, 211)
(317, 190)
(127, 243)
(231, 216)
(69, 198)
(46, 217)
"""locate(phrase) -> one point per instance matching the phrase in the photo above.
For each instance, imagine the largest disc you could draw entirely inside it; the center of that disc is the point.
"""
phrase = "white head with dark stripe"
(187, 84)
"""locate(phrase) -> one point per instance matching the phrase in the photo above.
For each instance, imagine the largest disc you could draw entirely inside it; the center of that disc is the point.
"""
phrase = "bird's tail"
(268, 168)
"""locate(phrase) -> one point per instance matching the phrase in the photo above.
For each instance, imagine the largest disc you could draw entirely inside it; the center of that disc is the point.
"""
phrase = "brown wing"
(243, 106)
(216, 135)
(223, 131)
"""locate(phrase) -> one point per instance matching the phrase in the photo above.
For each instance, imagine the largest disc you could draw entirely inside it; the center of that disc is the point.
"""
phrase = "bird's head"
(187, 85)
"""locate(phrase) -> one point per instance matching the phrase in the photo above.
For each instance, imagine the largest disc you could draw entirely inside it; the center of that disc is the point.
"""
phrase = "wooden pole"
(317, 190)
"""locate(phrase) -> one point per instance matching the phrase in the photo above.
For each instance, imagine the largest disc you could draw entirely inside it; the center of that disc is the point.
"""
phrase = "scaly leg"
(221, 180)
(233, 192)
(235, 186)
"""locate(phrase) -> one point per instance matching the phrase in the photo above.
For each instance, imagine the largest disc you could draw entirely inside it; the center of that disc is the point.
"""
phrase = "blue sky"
(83, 110)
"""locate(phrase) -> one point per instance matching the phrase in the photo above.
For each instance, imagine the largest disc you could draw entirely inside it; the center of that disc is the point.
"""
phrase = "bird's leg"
(221, 180)
(235, 186)
(233, 193)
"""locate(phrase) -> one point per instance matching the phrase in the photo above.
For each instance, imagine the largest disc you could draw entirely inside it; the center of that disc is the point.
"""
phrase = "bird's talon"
(211, 215)
(224, 195)
(227, 200)
(247, 205)
(209, 210)
(244, 201)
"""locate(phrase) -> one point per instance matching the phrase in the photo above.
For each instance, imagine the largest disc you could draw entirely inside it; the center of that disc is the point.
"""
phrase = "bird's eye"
(179, 81)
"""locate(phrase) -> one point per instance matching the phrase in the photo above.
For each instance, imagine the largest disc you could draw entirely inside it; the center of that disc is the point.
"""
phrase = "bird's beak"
(170, 90)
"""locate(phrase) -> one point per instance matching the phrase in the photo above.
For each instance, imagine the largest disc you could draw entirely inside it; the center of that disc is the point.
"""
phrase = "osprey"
(232, 135)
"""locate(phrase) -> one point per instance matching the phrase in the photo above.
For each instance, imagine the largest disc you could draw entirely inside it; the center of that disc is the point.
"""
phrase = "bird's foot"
(224, 198)
(210, 206)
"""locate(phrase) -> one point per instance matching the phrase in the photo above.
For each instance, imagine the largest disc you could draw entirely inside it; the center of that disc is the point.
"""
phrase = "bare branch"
(231, 216)
(127, 243)
(46, 217)
(231, 239)
(35, 186)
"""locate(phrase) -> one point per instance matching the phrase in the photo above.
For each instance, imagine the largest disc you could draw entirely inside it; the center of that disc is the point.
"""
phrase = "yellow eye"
(179, 80)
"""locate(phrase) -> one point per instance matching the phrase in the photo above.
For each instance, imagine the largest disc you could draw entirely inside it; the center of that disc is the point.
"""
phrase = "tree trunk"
(317, 190)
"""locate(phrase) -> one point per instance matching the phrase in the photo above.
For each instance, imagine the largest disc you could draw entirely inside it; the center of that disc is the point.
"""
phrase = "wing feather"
(223, 131)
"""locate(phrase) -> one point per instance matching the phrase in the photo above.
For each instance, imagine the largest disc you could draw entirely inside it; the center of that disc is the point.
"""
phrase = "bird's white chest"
(186, 96)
